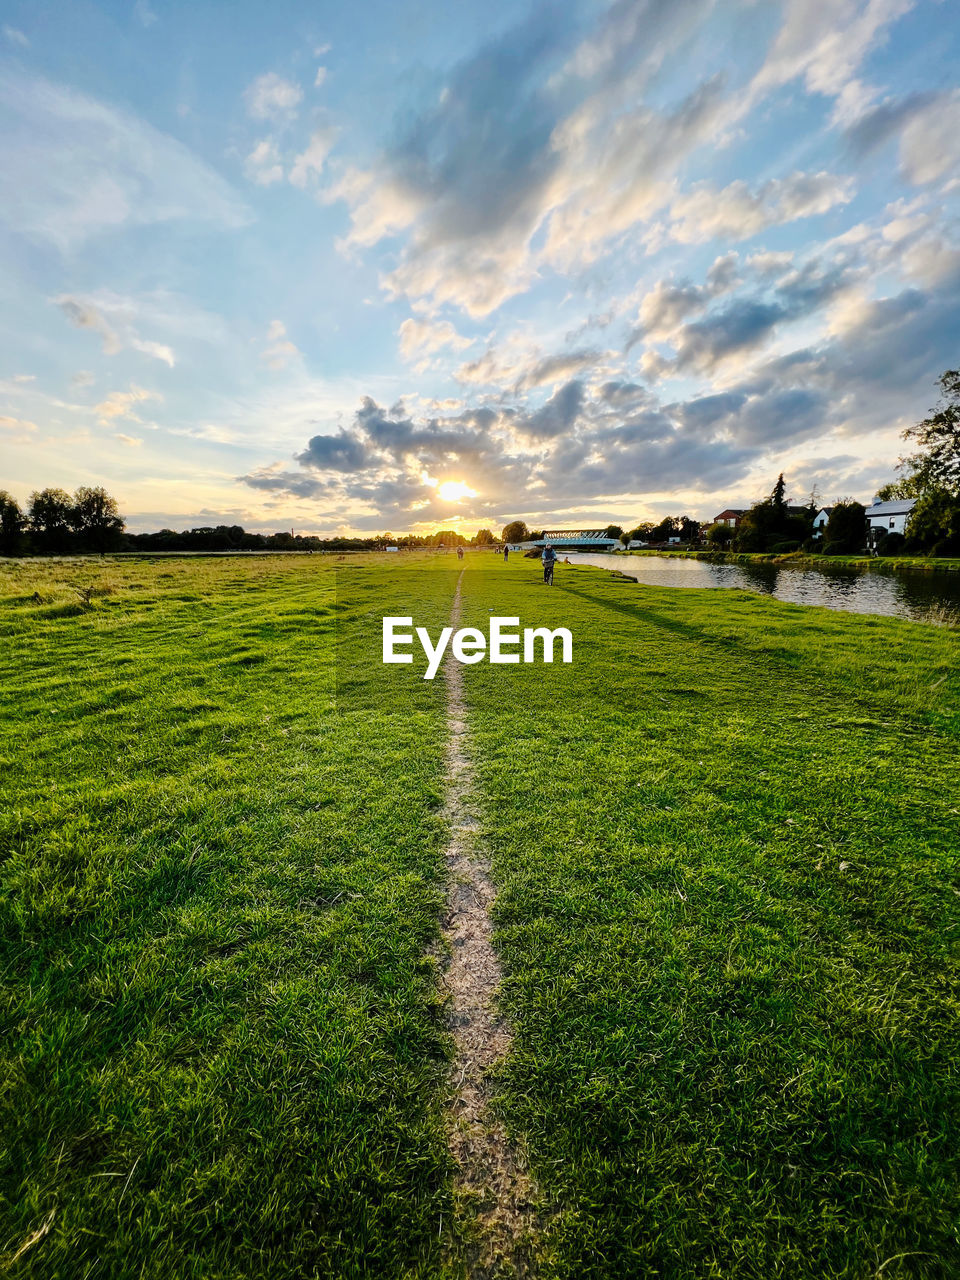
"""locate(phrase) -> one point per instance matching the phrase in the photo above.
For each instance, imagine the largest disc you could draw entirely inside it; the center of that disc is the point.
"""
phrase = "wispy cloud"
(77, 168)
(271, 97)
(279, 350)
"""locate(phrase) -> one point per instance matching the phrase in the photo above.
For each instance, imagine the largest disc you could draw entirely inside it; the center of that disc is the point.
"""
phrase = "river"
(923, 597)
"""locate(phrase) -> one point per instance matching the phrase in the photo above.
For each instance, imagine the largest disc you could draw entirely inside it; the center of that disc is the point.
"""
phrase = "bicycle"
(548, 572)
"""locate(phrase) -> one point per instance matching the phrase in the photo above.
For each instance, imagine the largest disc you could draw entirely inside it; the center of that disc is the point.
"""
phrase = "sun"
(454, 491)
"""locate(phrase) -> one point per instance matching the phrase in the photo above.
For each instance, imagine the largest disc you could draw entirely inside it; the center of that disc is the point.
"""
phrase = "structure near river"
(584, 539)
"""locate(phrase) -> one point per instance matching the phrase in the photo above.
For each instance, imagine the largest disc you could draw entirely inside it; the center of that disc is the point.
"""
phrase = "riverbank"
(723, 844)
(802, 560)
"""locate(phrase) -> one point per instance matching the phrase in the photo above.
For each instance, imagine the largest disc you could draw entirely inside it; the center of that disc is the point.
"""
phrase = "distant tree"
(689, 529)
(515, 531)
(534, 535)
(50, 516)
(772, 522)
(846, 531)
(95, 519)
(12, 524)
(485, 538)
(613, 531)
(669, 527)
(642, 532)
(721, 535)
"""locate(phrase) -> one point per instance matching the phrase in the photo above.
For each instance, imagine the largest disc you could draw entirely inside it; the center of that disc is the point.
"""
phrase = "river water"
(924, 597)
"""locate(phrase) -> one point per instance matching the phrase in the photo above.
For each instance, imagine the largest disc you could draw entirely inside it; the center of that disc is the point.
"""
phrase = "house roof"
(824, 511)
(899, 507)
(731, 511)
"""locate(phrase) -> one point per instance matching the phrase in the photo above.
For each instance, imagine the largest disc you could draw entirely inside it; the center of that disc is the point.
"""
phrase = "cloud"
(824, 44)
(16, 424)
(930, 140)
(77, 168)
(16, 36)
(132, 442)
(311, 160)
(82, 378)
(475, 177)
(117, 333)
(270, 97)
(423, 338)
(736, 213)
(342, 452)
(120, 404)
(517, 364)
(320, 77)
(262, 165)
(279, 350)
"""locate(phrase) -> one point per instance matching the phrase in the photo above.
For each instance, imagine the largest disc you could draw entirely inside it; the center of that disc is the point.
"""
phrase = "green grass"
(222, 1036)
(729, 914)
(726, 841)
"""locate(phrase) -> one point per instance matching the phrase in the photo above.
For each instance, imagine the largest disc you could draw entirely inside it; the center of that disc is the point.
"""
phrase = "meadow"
(725, 845)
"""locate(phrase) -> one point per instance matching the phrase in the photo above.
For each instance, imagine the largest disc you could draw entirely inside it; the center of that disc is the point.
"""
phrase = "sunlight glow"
(455, 490)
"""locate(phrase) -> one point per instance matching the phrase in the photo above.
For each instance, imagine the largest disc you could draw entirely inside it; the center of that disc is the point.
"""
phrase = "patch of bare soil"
(492, 1179)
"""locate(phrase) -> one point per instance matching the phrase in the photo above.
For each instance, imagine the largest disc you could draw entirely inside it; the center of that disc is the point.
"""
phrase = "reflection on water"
(920, 596)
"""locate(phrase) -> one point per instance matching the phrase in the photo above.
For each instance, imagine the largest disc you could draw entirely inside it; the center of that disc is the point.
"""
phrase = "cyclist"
(549, 558)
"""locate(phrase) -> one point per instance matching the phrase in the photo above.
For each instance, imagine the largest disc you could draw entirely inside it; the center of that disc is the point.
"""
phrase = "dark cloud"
(342, 452)
(555, 417)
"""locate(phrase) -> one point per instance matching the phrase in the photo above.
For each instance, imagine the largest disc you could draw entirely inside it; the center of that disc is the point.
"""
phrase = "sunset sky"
(394, 266)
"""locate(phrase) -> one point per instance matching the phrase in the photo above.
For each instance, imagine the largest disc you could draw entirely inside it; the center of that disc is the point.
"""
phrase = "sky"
(395, 266)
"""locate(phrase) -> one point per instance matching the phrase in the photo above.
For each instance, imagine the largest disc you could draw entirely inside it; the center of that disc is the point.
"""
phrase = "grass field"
(726, 846)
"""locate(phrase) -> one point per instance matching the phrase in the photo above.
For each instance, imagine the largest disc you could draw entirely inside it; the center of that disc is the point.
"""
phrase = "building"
(820, 521)
(890, 517)
(732, 517)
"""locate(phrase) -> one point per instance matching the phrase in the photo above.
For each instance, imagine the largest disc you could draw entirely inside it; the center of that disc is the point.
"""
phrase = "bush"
(783, 548)
(891, 545)
(845, 548)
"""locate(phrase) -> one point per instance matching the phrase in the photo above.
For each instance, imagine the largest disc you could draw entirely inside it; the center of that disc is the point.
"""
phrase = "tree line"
(89, 520)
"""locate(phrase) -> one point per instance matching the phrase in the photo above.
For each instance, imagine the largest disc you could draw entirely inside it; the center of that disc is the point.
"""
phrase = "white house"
(891, 517)
(820, 521)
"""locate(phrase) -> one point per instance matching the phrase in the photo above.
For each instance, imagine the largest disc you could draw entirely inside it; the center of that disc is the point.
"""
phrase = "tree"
(486, 539)
(770, 523)
(934, 524)
(669, 527)
(51, 512)
(721, 535)
(846, 530)
(515, 531)
(613, 531)
(95, 518)
(937, 465)
(642, 532)
(12, 522)
(689, 529)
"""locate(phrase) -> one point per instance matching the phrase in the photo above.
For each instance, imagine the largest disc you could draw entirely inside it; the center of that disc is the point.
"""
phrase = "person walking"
(506, 552)
(459, 553)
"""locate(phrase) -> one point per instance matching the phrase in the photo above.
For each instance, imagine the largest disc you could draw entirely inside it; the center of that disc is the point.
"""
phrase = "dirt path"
(491, 1170)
